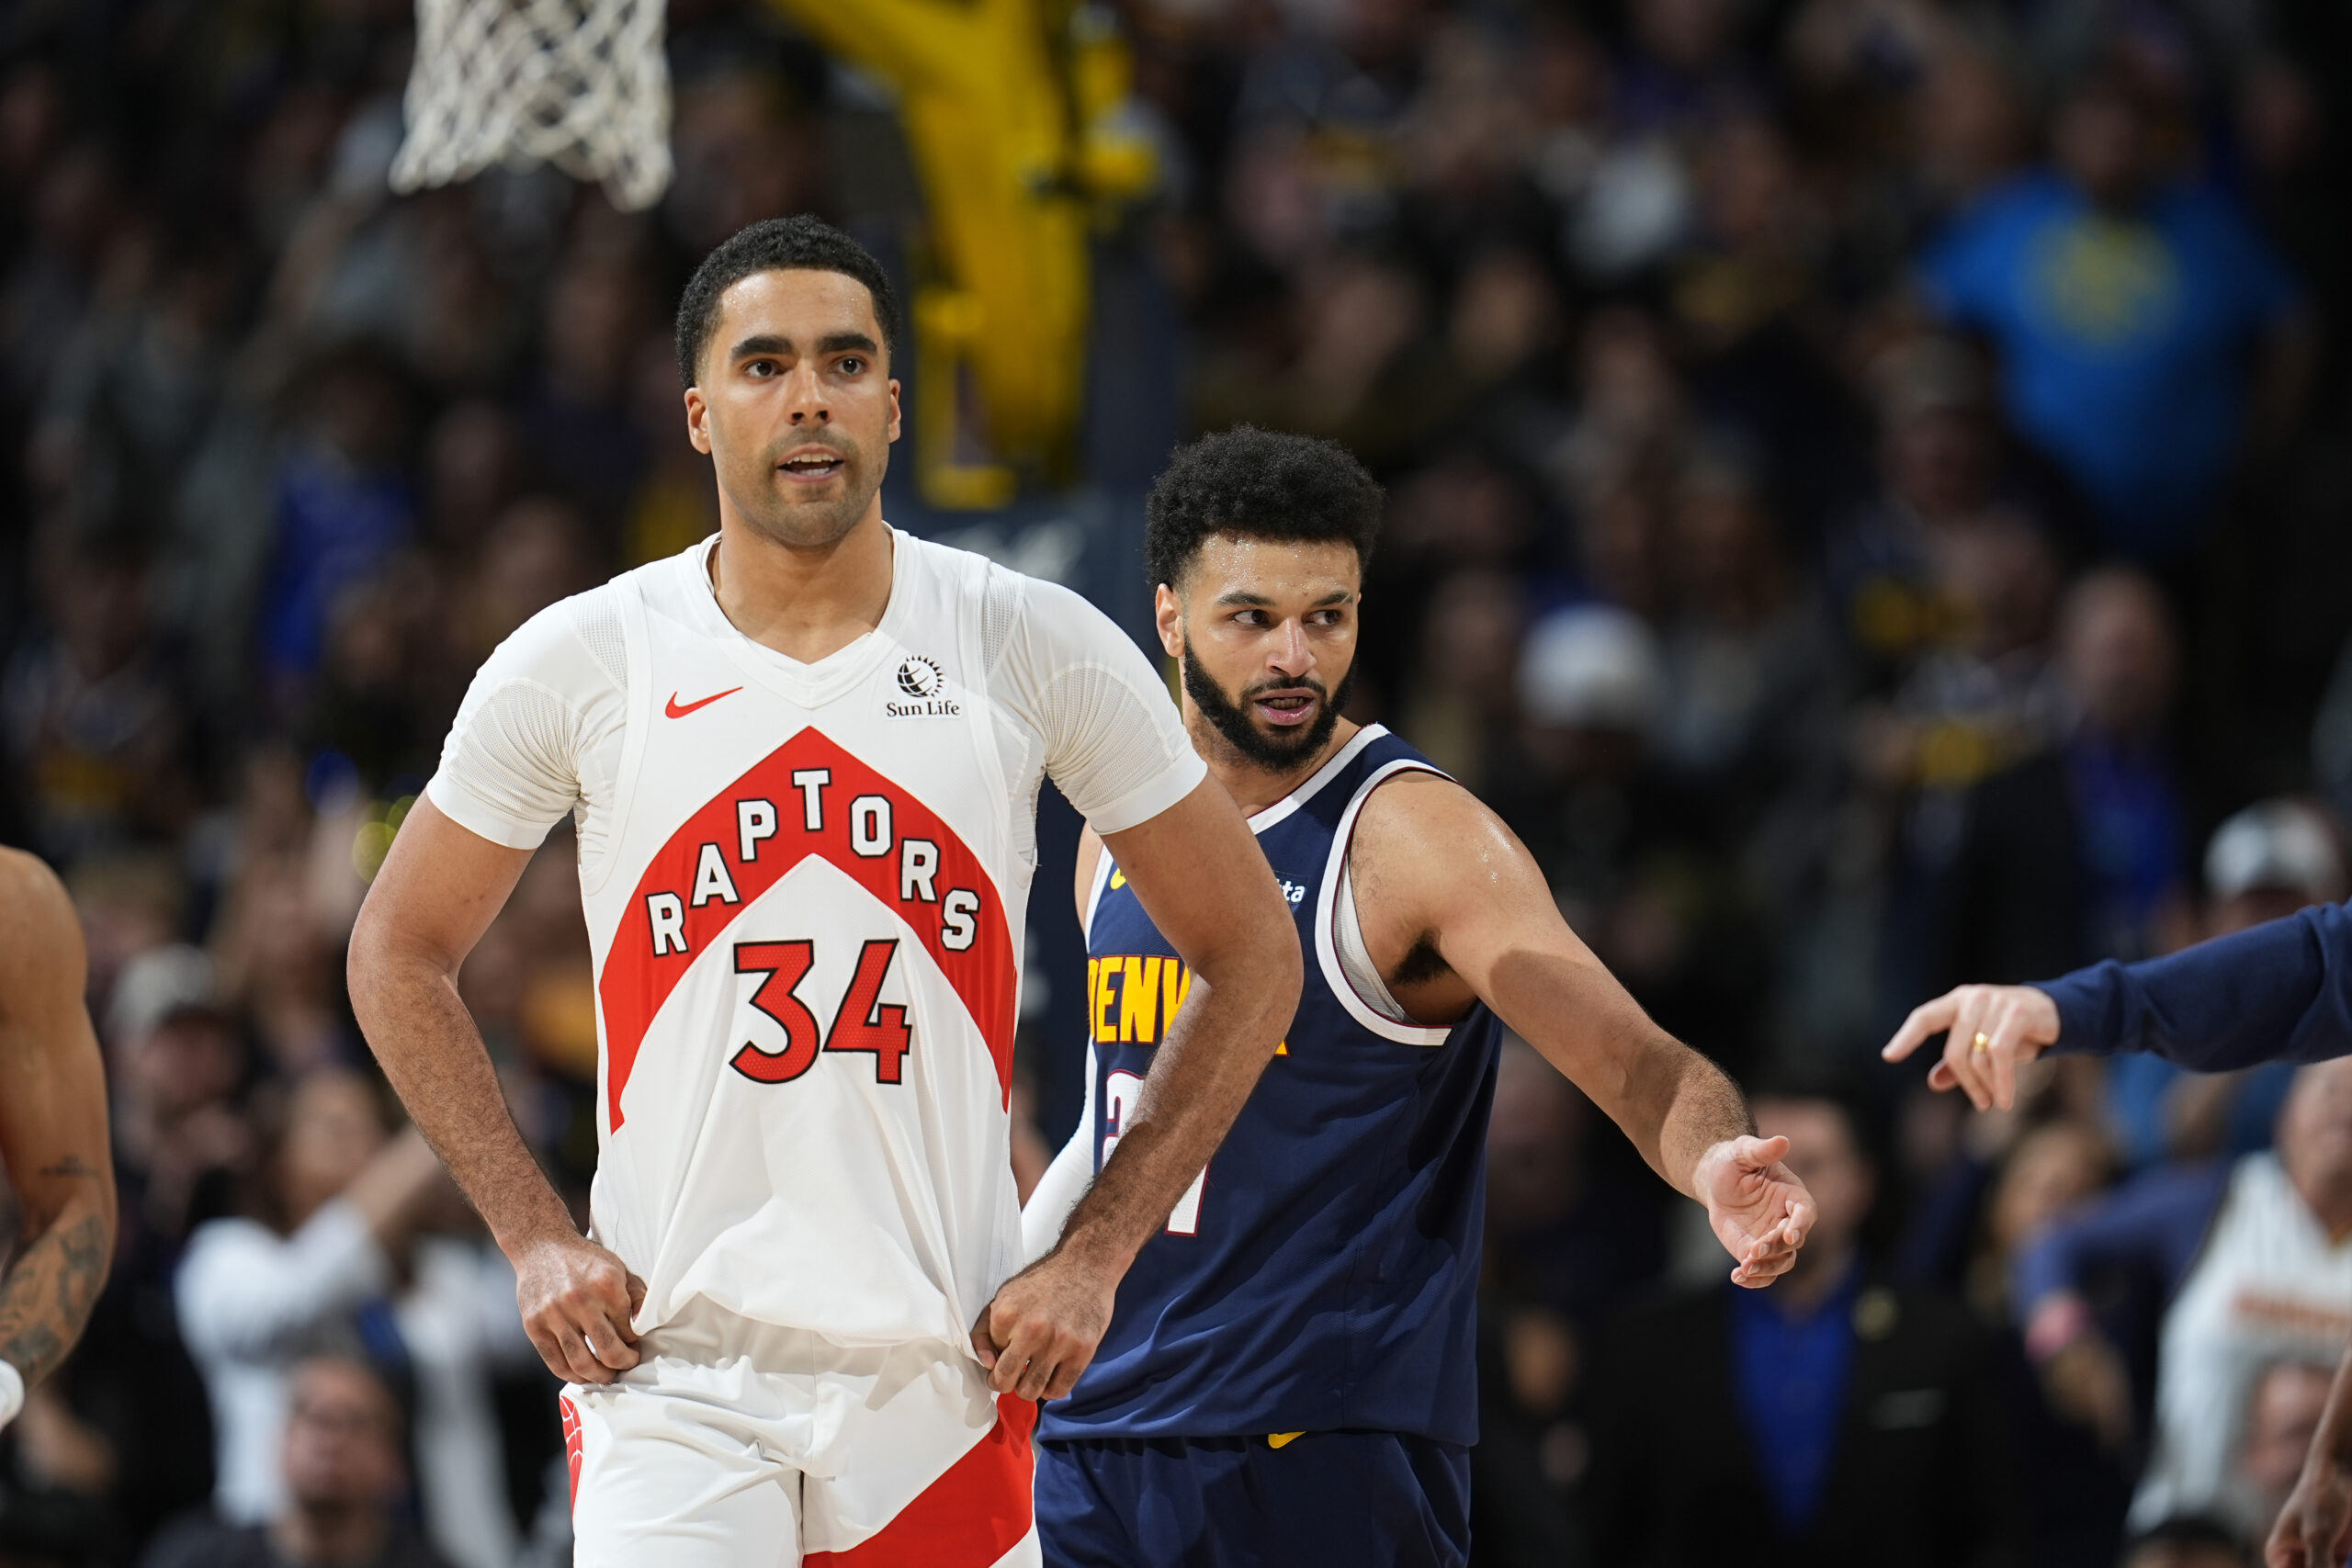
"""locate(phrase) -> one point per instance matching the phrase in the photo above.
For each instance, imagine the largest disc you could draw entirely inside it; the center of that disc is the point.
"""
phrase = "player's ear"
(1168, 615)
(699, 421)
(894, 408)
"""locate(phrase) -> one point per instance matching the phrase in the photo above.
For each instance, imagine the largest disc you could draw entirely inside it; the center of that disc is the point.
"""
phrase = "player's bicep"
(1199, 875)
(440, 886)
(1438, 860)
(52, 1116)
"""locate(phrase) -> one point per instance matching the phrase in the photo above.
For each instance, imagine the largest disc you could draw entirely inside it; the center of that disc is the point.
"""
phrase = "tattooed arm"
(52, 1130)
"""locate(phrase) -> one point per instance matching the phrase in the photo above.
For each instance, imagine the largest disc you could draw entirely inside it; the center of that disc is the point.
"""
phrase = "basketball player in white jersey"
(803, 758)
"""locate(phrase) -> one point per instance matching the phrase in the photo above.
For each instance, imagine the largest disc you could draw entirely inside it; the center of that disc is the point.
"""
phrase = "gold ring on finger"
(1982, 1044)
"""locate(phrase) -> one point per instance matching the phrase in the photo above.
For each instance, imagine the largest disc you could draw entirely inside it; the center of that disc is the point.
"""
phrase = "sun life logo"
(921, 678)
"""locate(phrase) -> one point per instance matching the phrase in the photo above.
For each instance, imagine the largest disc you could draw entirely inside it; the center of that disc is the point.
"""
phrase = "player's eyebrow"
(832, 343)
(761, 343)
(1259, 601)
(841, 343)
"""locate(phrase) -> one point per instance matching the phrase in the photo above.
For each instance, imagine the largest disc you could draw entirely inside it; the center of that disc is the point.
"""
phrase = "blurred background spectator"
(341, 1467)
(1868, 505)
(1840, 1418)
(2243, 1265)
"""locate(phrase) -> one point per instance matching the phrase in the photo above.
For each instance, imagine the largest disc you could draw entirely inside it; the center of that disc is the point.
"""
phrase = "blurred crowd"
(1867, 506)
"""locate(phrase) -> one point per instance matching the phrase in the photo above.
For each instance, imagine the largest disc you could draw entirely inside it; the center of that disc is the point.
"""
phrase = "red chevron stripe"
(635, 983)
(970, 1516)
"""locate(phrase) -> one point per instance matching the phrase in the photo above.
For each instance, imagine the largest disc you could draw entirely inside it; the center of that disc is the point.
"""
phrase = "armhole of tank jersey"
(1102, 869)
(1326, 909)
(635, 642)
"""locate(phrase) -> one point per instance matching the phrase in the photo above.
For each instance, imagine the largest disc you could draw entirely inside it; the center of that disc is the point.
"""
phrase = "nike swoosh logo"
(674, 711)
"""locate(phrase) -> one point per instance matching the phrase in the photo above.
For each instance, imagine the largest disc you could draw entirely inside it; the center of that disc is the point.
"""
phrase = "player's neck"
(1253, 786)
(804, 603)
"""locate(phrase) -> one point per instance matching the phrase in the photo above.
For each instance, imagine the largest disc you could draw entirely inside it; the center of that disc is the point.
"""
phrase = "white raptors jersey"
(805, 887)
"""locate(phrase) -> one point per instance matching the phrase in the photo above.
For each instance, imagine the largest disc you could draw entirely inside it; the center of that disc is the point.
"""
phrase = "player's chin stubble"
(1231, 720)
(814, 524)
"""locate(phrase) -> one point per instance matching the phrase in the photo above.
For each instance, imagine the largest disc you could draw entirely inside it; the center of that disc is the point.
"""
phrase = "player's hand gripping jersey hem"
(1322, 1273)
(733, 1443)
(804, 886)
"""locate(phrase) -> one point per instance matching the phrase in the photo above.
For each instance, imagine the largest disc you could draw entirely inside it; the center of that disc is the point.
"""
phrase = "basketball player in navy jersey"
(1288, 1376)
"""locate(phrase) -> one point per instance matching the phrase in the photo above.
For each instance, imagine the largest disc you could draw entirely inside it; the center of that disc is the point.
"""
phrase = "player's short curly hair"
(1258, 484)
(776, 244)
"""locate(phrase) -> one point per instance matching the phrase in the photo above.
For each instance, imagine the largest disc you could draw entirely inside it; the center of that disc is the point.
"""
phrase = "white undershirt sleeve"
(1064, 1183)
(1113, 740)
(538, 734)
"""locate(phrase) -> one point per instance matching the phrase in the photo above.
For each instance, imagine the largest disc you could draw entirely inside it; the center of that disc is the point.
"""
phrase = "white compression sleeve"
(1064, 1183)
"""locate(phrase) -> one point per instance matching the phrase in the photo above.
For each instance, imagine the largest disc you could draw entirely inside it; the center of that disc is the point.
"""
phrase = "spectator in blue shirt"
(1838, 1417)
(2128, 309)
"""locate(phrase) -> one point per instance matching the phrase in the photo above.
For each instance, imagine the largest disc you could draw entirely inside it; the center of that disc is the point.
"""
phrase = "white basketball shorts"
(735, 1444)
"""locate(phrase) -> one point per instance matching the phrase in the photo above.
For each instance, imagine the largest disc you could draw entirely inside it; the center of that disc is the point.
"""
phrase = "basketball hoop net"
(579, 84)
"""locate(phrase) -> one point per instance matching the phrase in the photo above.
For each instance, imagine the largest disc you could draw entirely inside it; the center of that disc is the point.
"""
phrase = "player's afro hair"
(1259, 484)
(776, 244)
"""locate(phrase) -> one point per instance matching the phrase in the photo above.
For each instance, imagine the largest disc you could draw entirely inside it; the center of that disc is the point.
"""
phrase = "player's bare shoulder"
(39, 932)
(42, 962)
(1423, 843)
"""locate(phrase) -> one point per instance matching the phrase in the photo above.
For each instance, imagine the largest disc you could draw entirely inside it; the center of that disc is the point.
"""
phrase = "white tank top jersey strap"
(805, 887)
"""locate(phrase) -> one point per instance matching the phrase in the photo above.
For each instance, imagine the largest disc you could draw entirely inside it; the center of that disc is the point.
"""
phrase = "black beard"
(1232, 719)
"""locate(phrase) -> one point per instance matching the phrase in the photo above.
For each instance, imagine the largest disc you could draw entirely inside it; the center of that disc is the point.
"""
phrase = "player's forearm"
(1688, 1105)
(1233, 1017)
(409, 1009)
(2332, 1443)
(47, 1297)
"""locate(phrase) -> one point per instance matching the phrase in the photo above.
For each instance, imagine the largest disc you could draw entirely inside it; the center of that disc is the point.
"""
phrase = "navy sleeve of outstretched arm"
(2277, 992)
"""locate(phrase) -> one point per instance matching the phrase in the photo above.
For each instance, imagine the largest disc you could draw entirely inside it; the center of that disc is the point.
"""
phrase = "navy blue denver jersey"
(1322, 1273)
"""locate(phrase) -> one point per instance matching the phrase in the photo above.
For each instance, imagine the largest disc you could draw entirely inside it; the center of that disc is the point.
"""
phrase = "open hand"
(1989, 1032)
(1040, 1332)
(1760, 1211)
(577, 1300)
(2314, 1529)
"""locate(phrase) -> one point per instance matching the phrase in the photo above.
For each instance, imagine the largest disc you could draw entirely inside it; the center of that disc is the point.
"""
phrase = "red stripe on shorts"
(969, 1517)
(570, 1443)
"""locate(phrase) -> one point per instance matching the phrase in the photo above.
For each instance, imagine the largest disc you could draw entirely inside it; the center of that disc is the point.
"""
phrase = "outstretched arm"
(1437, 873)
(438, 892)
(52, 1129)
(2278, 991)
(1201, 877)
